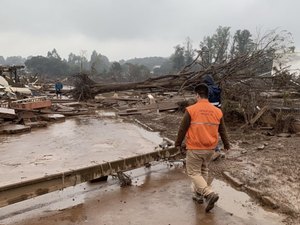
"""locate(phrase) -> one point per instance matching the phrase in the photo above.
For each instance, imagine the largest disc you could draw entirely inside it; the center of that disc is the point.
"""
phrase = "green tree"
(178, 59)
(2, 60)
(115, 71)
(99, 63)
(74, 62)
(292, 49)
(53, 54)
(188, 51)
(215, 48)
(15, 60)
(47, 66)
(242, 43)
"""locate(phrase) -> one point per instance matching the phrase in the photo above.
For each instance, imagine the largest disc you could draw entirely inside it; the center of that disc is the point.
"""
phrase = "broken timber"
(21, 191)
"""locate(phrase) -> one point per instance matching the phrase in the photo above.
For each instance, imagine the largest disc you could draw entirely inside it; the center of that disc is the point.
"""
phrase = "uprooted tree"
(244, 76)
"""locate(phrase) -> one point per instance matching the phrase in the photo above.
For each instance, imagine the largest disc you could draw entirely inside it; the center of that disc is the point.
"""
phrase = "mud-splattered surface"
(268, 163)
(159, 195)
(68, 145)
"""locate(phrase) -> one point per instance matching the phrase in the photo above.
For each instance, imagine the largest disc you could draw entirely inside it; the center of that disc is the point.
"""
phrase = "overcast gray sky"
(123, 29)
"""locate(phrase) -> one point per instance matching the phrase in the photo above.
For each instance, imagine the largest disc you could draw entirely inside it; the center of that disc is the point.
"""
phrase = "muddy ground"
(260, 160)
(267, 163)
(160, 194)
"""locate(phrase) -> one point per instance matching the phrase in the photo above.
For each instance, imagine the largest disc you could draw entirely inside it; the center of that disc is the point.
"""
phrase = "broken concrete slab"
(159, 107)
(14, 129)
(6, 113)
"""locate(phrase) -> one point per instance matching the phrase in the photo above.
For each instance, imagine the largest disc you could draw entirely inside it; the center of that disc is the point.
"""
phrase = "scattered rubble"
(159, 108)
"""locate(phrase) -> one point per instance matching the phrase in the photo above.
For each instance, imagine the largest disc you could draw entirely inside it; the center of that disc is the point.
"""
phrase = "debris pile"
(32, 105)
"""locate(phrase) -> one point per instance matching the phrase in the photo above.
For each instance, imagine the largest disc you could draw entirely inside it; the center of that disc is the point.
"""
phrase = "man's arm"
(224, 135)
(184, 126)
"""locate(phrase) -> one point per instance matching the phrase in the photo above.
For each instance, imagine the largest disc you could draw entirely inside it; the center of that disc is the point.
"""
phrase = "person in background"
(200, 126)
(214, 97)
(58, 88)
(214, 91)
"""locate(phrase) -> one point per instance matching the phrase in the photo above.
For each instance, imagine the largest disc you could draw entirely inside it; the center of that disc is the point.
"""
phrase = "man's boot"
(211, 199)
(198, 198)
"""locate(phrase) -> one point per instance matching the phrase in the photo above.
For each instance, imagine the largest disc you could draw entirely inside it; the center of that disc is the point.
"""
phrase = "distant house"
(155, 69)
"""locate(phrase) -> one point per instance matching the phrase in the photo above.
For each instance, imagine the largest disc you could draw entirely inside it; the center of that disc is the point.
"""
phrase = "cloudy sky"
(123, 29)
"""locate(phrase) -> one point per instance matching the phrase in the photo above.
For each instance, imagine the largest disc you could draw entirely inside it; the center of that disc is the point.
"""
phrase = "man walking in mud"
(200, 126)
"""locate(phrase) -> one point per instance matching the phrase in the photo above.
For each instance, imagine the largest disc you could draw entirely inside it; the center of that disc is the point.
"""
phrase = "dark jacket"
(58, 86)
(214, 91)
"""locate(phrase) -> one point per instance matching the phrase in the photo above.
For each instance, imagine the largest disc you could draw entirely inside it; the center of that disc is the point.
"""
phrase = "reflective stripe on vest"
(212, 124)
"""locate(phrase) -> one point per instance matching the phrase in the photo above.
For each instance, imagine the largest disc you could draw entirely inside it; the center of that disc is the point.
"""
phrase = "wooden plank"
(259, 114)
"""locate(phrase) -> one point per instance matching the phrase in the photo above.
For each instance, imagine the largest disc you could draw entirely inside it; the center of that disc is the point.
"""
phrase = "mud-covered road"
(159, 195)
(259, 158)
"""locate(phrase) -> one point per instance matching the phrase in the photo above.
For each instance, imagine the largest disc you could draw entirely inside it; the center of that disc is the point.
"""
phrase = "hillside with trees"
(219, 47)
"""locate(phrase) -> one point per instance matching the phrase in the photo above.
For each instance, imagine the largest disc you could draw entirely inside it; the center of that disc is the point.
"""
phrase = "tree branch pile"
(239, 69)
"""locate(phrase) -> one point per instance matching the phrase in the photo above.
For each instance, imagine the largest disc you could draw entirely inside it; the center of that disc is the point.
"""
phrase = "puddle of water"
(160, 195)
(241, 205)
(72, 144)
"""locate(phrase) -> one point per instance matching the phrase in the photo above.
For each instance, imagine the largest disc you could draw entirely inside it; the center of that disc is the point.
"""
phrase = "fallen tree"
(239, 69)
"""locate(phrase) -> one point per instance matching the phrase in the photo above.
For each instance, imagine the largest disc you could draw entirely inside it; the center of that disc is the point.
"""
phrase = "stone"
(254, 191)
(269, 202)
(260, 147)
(233, 180)
(284, 135)
(53, 117)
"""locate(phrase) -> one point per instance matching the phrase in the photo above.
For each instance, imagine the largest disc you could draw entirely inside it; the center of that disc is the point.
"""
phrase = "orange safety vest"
(203, 130)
